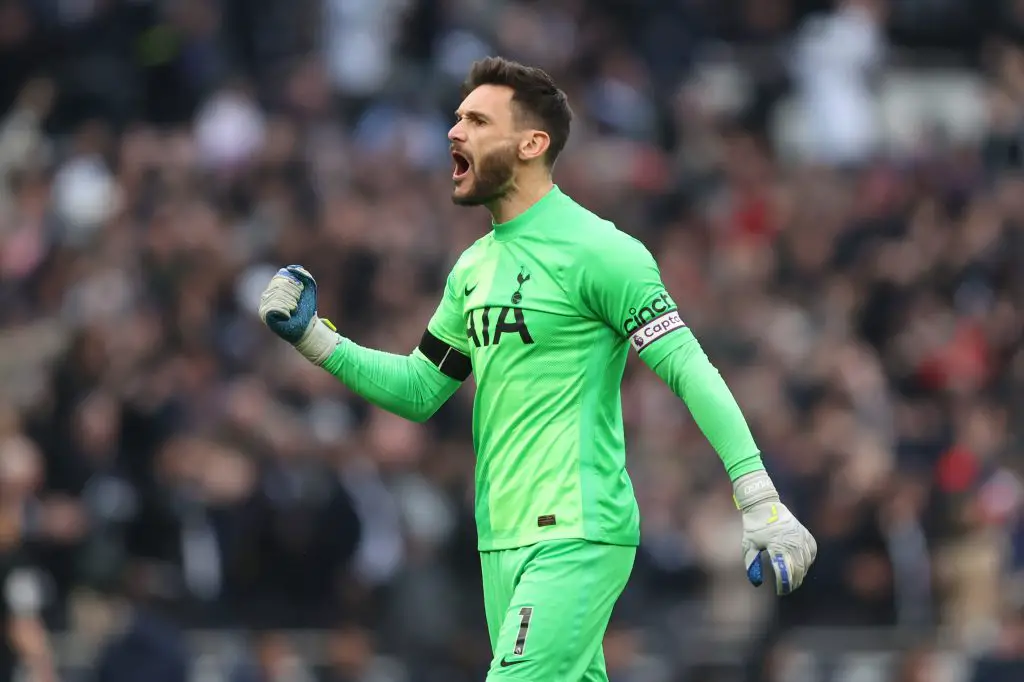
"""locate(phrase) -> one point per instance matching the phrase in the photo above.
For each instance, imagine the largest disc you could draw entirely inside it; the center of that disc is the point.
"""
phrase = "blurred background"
(835, 192)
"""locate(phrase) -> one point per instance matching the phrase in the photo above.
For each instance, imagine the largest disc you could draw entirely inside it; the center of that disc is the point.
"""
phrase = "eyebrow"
(471, 115)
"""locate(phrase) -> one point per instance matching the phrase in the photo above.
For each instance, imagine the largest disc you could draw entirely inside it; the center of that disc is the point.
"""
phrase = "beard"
(492, 178)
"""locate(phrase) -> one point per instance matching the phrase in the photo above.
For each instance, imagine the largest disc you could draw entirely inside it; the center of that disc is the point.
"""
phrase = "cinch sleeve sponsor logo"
(638, 317)
(656, 329)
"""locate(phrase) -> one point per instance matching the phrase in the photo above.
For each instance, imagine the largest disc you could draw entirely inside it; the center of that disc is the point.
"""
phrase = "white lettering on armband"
(655, 329)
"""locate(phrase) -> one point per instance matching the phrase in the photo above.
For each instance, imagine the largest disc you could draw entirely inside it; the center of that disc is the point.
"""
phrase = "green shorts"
(548, 606)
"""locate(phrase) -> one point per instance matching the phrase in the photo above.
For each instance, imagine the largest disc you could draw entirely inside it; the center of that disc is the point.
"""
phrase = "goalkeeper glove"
(769, 526)
(288, 308)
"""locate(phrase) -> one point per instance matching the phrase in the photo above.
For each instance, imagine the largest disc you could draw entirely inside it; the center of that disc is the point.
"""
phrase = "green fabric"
(547, 307)
(693, 378)
(568, 588)
(408, 385)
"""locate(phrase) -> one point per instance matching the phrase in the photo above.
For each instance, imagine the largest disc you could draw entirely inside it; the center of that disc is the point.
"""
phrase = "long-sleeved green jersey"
(543, 310)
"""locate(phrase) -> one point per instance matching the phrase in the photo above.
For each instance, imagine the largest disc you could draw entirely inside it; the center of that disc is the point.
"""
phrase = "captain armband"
(653, 321)
(452, 362)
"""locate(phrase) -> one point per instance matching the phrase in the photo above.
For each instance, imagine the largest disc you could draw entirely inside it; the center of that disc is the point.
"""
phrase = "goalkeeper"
(543, 309)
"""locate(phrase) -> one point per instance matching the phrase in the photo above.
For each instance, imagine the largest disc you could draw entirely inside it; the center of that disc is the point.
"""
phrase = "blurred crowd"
(167, 464)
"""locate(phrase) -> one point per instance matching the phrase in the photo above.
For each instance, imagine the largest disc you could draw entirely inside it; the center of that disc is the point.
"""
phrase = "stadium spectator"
(161, 160)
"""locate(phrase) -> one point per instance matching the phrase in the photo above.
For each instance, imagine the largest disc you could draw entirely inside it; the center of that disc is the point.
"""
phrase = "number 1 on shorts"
(525, 613)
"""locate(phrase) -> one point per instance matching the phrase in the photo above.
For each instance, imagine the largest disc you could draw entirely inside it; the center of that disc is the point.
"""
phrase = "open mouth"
(462, 165)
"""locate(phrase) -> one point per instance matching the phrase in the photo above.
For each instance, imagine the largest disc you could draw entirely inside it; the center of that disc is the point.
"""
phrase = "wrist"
(753, 488)
(318, 341)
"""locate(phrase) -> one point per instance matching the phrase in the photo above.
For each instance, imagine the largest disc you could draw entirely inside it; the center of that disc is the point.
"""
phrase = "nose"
(456, 133)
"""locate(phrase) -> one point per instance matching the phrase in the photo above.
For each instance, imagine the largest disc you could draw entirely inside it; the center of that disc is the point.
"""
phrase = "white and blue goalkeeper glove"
(768, 526)
(288, 308)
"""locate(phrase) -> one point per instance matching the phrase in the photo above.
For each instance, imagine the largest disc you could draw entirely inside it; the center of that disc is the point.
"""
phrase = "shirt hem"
(627, 539)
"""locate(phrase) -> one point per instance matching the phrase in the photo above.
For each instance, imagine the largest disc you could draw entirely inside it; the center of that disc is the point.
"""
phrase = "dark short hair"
(535, 97)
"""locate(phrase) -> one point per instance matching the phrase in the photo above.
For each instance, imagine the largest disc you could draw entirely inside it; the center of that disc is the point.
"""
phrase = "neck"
(522, 196)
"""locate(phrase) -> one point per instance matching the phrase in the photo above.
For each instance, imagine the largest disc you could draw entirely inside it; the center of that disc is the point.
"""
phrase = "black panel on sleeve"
(452, 363)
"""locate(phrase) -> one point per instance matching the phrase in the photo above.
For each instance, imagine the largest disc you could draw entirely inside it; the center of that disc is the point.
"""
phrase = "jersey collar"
(508, 230)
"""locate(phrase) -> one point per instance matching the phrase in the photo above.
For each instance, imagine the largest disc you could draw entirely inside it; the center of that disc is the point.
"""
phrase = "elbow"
(422, 412)
(419, 411)
(430, 394)
(414, 414)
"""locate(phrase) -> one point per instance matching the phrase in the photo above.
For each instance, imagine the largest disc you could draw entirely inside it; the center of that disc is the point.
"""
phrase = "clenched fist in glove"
(288, 308)
(769, 526)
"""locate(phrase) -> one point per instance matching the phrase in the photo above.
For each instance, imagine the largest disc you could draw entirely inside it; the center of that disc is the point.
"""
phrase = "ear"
(534, 145)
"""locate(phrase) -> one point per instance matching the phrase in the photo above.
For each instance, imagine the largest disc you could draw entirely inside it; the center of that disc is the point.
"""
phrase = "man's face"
(484, 143)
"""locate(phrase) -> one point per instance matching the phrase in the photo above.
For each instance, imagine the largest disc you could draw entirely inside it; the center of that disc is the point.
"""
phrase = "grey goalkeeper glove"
(288, 308)
(769, 526)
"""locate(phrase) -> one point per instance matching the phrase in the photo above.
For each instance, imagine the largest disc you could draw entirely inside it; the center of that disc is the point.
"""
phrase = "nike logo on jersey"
(467, 291)
(506, 663)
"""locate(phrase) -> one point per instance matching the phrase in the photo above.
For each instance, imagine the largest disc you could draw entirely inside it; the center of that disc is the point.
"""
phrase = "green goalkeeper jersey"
(546, 307)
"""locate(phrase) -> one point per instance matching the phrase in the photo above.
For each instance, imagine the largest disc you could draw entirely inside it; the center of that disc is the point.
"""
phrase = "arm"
(412, 386)
(25, 629)
(31, 643)
(693, 378)
(621, 284)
